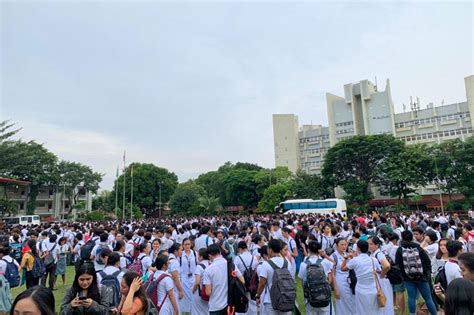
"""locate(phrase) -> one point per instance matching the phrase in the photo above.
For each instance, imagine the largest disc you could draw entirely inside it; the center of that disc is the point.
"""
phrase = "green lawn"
(61, 289)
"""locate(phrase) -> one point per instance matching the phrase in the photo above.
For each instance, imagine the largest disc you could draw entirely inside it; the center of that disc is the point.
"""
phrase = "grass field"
(61, 289)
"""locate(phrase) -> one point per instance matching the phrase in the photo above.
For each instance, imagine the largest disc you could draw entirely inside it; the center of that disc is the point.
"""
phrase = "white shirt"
(216, 276)
(452, 271)
(203, 241)
(266, 271)
(146, 261)
(247, 258)
(129, 248)
(52, 248)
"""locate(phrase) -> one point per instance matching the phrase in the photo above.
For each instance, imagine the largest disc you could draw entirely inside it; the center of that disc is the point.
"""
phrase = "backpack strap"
(158, 280)
(240, 257)
(202, 266)
(115, 274)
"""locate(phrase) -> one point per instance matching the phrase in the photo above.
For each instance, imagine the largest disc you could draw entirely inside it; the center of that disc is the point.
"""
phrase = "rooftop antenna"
(415, 106)
(375, 83)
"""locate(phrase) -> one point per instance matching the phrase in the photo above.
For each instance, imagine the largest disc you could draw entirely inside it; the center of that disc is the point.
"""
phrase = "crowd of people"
(359, 265)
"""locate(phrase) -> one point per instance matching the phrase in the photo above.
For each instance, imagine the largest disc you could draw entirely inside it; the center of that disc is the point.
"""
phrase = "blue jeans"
(424, 287)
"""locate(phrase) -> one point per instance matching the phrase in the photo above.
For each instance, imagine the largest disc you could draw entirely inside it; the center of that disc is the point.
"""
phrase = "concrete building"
(286, 143)
(48, 202)
(364, 110)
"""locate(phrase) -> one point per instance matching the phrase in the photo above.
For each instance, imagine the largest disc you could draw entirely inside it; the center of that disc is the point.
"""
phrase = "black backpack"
(394, 275)
(249, 273)
(351, 278)
(317, 290)
(86, 250)
(283, 291)
(237, 294)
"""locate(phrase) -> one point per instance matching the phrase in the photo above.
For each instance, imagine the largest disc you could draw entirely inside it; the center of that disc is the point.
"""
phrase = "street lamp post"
(159, 209)
(439, 187)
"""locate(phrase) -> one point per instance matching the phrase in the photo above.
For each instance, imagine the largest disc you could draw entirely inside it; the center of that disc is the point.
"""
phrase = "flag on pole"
(124, 164)
(117, 174)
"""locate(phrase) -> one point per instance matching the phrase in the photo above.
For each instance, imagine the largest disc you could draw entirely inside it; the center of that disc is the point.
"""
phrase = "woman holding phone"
(84, 297)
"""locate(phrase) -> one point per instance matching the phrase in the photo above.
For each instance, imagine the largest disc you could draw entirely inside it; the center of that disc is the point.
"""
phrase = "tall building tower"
(469, 82)
(362, 111)
(286, 141)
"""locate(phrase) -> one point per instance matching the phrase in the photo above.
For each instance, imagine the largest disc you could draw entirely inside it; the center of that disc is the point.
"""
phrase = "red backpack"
(151, 288)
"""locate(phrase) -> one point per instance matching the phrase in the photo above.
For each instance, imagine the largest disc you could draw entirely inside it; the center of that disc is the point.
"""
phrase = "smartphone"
(82, 298)
(439, 287)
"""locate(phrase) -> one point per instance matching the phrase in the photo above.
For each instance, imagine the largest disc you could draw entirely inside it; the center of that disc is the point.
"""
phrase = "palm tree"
(209, 204)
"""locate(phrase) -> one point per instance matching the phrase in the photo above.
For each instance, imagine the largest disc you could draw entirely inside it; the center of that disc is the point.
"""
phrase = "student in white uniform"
(451, 267)
(245, 260)
(366, 291)
(265, 275)
(112, 268)
(174, 269)
(166, 293)
(374, 246)
(344, 298)
(144, 256)
(216, 281)
(314, 247)
(200, 306)
(188, 263)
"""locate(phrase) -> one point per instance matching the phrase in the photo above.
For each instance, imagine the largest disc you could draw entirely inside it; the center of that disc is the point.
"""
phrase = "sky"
(190, 85)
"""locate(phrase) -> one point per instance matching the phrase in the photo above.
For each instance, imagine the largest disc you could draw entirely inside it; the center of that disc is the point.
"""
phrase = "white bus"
(23, 220)
(306, 206)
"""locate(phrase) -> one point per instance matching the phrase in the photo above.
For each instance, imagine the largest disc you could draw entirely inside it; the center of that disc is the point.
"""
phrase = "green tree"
(71, 175)
(454, 167)
(6, 131)
(29, 161)
(103, 201)
(185, 199)
(399, 175)
(147, 180)
(273, 195)
(267, 177)
(306, 186)
(416, 199)
(209, 205)
(353, 163)
(240, 188)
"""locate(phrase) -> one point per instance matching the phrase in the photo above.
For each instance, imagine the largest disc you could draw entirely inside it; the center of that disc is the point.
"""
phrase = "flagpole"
(116, 192)
(124, 176)
(131, 196)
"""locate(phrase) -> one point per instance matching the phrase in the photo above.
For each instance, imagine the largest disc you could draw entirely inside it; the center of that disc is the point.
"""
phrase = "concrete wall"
(286, 141)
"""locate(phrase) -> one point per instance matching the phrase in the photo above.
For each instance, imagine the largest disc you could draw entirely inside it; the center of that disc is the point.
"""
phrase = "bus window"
(312, 205)
(36, 217)
(321, 205)
(30, 219)
(23, 219)
(304, 205)
(331, 204)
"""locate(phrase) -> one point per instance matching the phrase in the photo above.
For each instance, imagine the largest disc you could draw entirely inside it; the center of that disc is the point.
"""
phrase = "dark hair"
(407, 236)
(104, 237)
(314, 247)
(439, 254)
(174, 248)
(160, 261)
(376, 240)
(453, 248)
(363, 246)
(467, 260)
(242, 245)
(213, 250)
(141, 294)
(32, 246)
(41, 296)
(203, 253)
(119, 245)
(418, 229)
(93, 290)
(338, 240)
(113, 258)
(275, 245)
(393, 236)
(459, 297)
(263, 250)
(142, 247)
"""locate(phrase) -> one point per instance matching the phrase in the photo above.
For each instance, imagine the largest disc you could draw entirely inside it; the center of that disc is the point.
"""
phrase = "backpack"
(317, 290)
(236, 295)
(86, 250)
(98, 252)
(136, 266)
(136, 250)
(230, 246)
(151, 308)
(202, 290)
(250, 277)
(412, 263)
(111, 281)
(282, 292)
(49, 260)
(12, 274)
(352, 279)
(151, 288)
(5, 296)
(442, 280)
(394, 275)
(39, 270)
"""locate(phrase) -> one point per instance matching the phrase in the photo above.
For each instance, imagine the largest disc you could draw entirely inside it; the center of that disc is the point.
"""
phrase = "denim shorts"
(398, 287)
